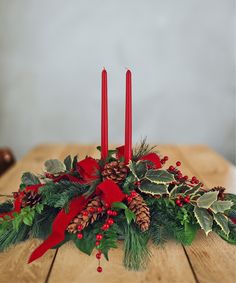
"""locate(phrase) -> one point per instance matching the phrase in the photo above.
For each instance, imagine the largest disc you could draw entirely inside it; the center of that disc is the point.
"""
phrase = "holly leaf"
(86, 244)
(221, 206)
(29, 179)
(182, 189)
(68, 162)
(223, 222)
(153, 188)
(159, 176)
(194, 190)
(204, 219)
(207, 199)
(130, 215)
(54, 166)
(119, 205)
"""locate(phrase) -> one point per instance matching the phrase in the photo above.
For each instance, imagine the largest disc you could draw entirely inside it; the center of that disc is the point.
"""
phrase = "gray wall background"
(181, 54)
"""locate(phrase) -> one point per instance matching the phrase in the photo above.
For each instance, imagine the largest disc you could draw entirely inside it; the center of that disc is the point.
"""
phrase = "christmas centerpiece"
(128, 194)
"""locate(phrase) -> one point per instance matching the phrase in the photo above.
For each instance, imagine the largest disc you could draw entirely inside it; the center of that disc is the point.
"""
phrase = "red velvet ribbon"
(109, 192)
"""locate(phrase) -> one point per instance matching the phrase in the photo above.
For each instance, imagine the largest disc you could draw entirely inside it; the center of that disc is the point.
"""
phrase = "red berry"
(185, 177)
(105, 227)
(99, 237)
(110, 212)
(106, 205)
(80, 227)
(91, 209)
(85, 213)
(15, 194)
(163, 161)
(80, 236)
(114, 213)
(97, 243)
(186, 199)
(166, 158)
(171, 168)
(110, 221)
(99, 209)
(133, 194)
(180, 205)
(98, 255)
(178, 202)
(196, 181)
(194, 178)
(129, 198)
(99, 269)
(178, 163)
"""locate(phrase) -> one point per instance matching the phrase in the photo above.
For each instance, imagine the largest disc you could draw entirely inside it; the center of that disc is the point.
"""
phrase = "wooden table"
(206, 260)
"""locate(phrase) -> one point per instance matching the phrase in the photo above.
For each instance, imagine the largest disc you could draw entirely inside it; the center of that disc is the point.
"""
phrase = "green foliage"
(68, 163)
(204, 219)
(87, 244)
(221, 206)
(152, 188)
(142, 149)
(129, 215)
(59, 194)
(222, 221)
(159, 176)
(6, 206)
(54, 166)
(136, 254)
(207, 199)
(186, 234)
(231, 237)
(29, 179)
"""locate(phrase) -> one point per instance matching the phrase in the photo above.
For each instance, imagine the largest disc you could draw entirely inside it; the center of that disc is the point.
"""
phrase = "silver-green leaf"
(221, 206)
(207, 199)
(204, 219)
(223, 222)
(54, 166)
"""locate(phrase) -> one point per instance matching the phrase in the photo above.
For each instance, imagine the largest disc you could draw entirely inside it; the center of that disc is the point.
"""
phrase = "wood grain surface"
(208, 259)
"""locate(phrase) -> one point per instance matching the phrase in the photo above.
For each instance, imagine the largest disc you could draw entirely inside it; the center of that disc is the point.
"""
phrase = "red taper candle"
(128, 118)
(104, 117)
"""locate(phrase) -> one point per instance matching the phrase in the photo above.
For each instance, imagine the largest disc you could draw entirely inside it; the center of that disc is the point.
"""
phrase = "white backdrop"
(181, 54)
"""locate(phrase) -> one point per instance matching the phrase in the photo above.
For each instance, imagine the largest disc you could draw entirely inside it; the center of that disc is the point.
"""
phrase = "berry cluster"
(164, 159)
(180, 178)
(180, 201)
(131, 195)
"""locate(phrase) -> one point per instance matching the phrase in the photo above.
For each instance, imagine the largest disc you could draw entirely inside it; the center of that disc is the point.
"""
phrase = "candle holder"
(95, 203)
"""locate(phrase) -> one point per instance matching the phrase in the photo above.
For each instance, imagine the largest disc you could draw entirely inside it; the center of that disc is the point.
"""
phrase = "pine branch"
(143, 149)
(6, 206)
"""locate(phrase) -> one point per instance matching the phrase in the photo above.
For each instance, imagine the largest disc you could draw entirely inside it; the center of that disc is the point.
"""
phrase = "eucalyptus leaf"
(159, 176)
(221, 205)
(207, 199)
(153, 188)
(223, 222)
(204, 219)
(54, 166)
(29, 179)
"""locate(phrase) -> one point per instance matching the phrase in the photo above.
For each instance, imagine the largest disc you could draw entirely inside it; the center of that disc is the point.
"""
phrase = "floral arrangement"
(96, 203)
(125, 195)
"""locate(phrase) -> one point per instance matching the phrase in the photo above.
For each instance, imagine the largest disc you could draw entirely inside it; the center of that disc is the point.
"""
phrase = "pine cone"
(221, 191)
(31, 198)
(116, 171)
(94, 209)
(141, 210)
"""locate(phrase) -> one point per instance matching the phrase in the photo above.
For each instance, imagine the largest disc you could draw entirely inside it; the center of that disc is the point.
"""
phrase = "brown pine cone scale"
(93, 210)
(116, 171)
(31, 198)
(141, 210)
(221, 190)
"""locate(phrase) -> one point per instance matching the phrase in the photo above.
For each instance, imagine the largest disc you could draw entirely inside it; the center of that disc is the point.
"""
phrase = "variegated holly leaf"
(54, 166)
(204, 219)
(159, 176)
(179, 190)
(221, 206)
(207, 199)
(223, 222)
(194, 190)
(152, 188)
(138, 169)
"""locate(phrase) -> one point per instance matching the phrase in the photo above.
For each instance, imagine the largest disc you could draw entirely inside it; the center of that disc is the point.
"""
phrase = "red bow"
(109, 192)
